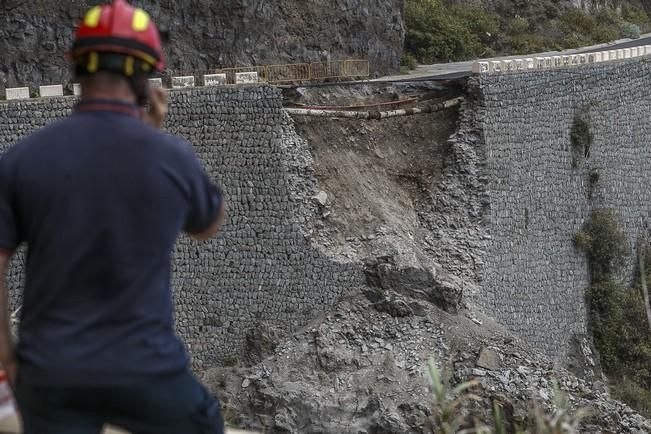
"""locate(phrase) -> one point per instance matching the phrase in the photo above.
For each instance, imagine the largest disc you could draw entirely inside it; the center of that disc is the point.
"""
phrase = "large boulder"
(415, 277)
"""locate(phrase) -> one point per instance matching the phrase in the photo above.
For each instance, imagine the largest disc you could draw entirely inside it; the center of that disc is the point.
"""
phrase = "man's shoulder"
(34, 140)
(175, 147)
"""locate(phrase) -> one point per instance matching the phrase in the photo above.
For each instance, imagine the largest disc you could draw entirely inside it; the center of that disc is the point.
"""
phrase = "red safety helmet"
(118, 29)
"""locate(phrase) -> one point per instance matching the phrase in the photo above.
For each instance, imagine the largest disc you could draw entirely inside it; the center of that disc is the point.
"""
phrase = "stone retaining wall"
(534, 278)
(262, 271)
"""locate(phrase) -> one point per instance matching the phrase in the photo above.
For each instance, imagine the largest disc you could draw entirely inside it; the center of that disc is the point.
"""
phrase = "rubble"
(361, 369)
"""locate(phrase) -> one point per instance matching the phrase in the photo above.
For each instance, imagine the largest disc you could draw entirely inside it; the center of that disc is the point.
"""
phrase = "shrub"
(448, 419)
(408, 61)
(616, 313)
(635, 395)
(606, 246)
(630, 30)
(581, 138)
(518, 25)
(636, 15)
(436, 32)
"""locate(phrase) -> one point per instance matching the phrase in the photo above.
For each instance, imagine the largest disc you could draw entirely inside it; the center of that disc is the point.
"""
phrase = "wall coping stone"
(52, 90)
(500, 66)
(17, 93)
(183, 82)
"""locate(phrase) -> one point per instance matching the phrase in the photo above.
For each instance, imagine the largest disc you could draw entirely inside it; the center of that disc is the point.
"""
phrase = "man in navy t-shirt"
(100, 198)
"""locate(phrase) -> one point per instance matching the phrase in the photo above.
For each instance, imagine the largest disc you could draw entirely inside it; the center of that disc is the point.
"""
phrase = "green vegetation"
(408, 63)
(436, 31)
(443, 30)
(617, 314)
(581, 138)
(447, 419)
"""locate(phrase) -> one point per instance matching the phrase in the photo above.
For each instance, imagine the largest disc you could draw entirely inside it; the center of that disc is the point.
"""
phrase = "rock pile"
(360, 368)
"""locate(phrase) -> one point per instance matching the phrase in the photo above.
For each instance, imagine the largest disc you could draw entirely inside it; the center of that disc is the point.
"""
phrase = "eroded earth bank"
(405, 199)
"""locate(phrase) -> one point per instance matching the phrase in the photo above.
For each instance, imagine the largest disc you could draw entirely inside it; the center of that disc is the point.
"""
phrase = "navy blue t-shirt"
(100, 199)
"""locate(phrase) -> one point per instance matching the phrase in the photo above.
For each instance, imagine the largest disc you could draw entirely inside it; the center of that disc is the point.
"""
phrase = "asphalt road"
(456, 70)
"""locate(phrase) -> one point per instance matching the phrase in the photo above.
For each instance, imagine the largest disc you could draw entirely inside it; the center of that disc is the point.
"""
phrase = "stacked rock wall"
(541, 190)
(262, 271)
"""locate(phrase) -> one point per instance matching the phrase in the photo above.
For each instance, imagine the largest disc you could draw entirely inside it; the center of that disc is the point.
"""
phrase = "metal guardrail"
(290, 73)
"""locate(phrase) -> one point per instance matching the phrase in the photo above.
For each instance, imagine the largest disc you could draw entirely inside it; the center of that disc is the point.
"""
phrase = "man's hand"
(157, 112)
(7, 354)
(11, 368)
(214, 227)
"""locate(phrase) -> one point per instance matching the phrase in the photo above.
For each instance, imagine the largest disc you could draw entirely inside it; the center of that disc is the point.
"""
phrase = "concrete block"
(591, 58)
(627, 53)
(647, 50)
(634, 51)
(605, 56)
(549, 62)
(530, 63)
(574, 59)
(76, 89)
(567, 60)
(181, 82)
(246, 77)
(583, 59)
(598, 57)
(540, 63)
(156, 82)
(558, 61)
(620, 54)
(17, 93)
(220, 79)
(507, 66)
(519, 64)
(613, 54)
(53, 90)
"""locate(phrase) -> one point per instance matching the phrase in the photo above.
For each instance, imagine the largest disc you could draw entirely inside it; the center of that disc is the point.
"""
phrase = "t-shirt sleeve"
(205, 198)
(9, 236)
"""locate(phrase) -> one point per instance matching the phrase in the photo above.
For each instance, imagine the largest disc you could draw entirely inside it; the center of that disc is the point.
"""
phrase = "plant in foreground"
(447, 418)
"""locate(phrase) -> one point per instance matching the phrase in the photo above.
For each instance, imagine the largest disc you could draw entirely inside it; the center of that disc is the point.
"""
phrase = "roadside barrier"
(284, 73)
(498, 66)
(351, 69)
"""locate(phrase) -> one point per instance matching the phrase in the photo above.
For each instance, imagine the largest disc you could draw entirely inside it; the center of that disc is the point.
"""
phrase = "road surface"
(450, 71)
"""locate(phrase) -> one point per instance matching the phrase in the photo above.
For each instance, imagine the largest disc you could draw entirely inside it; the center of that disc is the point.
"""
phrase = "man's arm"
(214, 227)
(155, 116)
(7, 354)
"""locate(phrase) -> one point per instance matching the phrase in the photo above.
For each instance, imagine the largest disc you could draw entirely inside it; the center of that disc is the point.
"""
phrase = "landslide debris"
(360, 368)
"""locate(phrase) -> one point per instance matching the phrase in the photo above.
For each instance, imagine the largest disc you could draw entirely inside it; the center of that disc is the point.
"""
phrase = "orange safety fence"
(288, 73)
(323, 70)
(357, 68)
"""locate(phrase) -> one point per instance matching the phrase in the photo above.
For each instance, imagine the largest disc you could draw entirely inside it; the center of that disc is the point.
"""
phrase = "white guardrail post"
(540, 63)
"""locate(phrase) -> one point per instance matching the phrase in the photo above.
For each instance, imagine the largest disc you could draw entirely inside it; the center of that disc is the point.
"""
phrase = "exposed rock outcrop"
(35, 35)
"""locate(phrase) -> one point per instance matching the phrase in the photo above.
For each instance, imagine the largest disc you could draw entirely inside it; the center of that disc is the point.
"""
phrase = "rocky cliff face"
(35, 35)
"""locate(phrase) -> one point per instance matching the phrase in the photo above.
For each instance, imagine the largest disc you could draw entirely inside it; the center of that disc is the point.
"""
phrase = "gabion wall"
(262, 270)
(541, 190)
